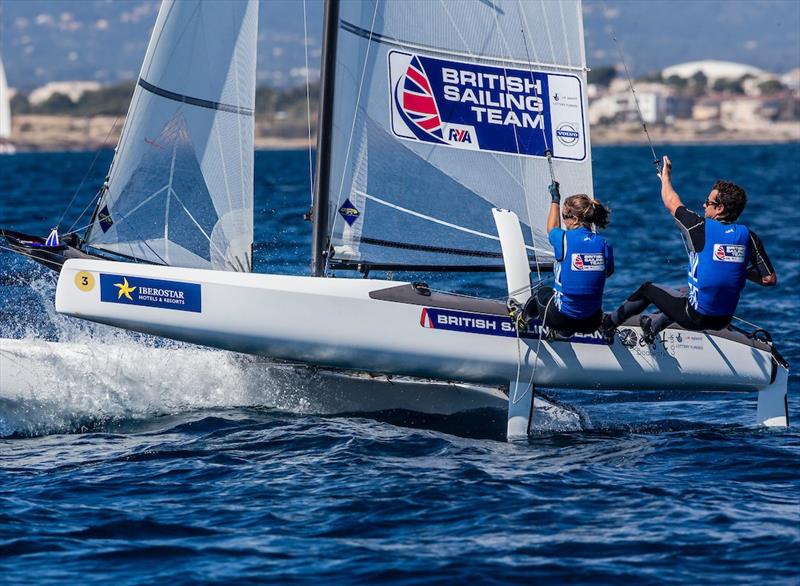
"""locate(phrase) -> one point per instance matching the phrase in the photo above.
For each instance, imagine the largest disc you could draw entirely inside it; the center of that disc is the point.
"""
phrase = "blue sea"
(120, 466)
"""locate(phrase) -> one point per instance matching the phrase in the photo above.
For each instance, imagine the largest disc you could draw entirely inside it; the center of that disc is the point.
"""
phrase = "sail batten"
(193, 101)
(180, 188)
(443, 111)
(432, 49)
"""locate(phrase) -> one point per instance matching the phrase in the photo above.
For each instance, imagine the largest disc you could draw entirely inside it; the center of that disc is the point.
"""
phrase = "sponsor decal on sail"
(491, 325)
(104, 217)
(128, 290)
(486, 108)
(349, 212)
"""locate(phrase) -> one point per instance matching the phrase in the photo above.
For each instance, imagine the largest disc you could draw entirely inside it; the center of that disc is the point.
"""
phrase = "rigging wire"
(86, 175)
(547, 153)
(516, 136)
(656, 160)
(92, 201)
(308, 105)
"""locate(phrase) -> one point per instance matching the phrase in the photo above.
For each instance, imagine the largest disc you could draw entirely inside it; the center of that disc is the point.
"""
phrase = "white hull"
(337, 323)
(180, 378)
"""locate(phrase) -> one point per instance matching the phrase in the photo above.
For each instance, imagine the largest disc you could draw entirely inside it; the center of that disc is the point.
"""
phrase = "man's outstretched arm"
(761, 270)
(668, 194)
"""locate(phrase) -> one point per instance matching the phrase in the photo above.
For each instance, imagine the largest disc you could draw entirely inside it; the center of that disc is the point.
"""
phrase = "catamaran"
(440, 126)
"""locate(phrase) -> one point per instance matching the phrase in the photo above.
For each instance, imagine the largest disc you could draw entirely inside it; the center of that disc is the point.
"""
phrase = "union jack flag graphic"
(417, 101)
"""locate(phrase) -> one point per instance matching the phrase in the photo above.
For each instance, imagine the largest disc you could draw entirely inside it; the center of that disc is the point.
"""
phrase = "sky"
(105, 40)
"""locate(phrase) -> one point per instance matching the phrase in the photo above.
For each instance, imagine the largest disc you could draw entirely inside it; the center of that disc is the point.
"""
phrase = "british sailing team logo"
(482, 107)
(588, 262)
(437, 318)
(729, 253)
(416, 104)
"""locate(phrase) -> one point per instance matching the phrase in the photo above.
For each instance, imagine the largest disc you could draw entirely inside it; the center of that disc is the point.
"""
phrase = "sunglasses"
(566, 216)
(709, 202)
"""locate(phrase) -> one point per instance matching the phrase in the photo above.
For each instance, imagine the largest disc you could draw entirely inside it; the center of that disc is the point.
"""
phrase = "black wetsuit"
(674, 305)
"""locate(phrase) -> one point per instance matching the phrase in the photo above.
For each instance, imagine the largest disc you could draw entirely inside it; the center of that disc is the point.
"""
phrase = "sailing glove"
(555, 194)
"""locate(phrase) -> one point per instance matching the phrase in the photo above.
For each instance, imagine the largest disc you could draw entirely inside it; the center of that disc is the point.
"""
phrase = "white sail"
(180, 189)
(5, 106)
(444, 110)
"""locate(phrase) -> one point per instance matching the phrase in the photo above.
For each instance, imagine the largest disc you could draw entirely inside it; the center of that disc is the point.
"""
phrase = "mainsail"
(180, 189)
(5, 106)
(438, 112)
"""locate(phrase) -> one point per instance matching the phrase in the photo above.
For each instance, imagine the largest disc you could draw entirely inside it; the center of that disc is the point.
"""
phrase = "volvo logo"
(567, 135)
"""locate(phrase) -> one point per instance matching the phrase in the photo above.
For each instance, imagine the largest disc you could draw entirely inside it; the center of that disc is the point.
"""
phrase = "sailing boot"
(607, 329)
(648, 335)
(559, 335)
(516, 311)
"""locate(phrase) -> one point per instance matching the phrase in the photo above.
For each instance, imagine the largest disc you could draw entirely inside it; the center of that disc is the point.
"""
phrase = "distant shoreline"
(50, 133)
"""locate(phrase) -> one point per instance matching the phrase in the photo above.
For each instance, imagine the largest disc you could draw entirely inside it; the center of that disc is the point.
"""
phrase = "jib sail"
(180, 189)
(441, 111)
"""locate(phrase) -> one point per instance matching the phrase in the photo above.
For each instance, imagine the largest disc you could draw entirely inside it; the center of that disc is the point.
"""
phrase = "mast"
(319, 211)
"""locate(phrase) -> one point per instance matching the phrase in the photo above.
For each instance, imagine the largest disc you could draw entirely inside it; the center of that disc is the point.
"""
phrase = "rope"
(516, 399)
(516, 137)
(547, 151)
(744, 321)
(656, 160)
(308, 105)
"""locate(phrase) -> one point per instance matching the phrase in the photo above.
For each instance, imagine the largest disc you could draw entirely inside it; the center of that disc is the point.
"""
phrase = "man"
(722, 255)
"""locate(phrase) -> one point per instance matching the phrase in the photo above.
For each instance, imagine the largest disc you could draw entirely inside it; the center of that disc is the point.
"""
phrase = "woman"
(583, 261)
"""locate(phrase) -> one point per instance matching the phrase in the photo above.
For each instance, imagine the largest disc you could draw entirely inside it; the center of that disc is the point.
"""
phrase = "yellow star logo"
(125, 289)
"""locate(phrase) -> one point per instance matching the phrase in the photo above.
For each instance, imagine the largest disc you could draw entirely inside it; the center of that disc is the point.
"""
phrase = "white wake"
(94, 374)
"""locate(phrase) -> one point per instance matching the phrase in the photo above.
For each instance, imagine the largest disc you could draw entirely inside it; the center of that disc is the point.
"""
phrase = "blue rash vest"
(583, 261)
(717, 273)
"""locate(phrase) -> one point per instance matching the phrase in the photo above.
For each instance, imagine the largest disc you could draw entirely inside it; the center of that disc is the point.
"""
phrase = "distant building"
(749, 113)
(657, 103)
(712, 70)
(72, 89)
(791, 79)
(706, 109)
(753, 86)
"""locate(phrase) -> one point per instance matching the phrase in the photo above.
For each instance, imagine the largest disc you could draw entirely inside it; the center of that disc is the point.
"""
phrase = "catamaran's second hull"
(393, 328)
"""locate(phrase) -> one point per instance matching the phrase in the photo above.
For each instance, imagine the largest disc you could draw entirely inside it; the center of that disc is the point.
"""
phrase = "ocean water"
(130, 460)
